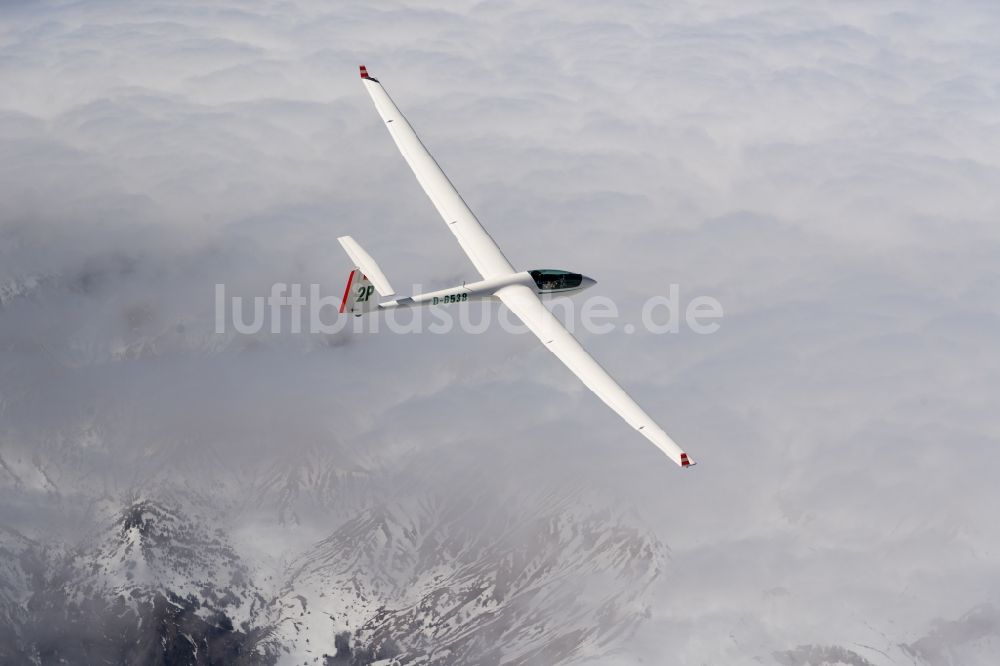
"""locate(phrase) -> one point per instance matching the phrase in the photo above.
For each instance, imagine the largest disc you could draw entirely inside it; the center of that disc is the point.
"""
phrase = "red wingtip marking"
(347, 291)
(684, 460)
(364, 72)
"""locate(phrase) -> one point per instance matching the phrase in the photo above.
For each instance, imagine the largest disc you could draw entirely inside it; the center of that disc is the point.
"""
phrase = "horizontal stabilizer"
(364, 261)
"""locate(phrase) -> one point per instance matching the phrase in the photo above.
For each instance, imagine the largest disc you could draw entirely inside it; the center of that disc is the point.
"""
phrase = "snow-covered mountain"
(162, 582)
(426, 583)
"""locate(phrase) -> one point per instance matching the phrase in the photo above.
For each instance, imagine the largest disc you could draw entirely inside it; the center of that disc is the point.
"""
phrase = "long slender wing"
(523, 302)
(478, 245)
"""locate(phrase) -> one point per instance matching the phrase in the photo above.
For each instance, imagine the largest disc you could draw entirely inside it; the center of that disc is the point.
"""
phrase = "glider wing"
(475, 241)
(524, 303)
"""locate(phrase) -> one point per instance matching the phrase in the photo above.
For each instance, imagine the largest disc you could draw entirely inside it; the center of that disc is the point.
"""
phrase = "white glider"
(519, 291)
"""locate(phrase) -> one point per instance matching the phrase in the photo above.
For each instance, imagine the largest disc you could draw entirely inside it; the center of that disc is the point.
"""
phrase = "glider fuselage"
(544, 282)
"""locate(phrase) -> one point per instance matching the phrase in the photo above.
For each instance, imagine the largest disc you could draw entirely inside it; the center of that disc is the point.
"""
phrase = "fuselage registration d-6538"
(518, 290)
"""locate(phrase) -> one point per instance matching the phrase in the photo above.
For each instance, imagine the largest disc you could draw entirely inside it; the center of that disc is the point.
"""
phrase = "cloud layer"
(829, 173)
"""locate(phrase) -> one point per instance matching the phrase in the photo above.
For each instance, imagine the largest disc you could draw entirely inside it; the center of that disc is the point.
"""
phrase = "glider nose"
(587, 282)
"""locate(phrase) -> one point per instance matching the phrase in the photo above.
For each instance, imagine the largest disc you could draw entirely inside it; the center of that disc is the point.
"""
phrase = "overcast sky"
(829, 171)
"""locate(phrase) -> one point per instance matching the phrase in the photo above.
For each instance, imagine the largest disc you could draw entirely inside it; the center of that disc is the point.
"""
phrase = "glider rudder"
(358, 294)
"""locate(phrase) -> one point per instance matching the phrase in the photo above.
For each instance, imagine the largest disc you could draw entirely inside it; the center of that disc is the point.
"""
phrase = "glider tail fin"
(358, 294)
(367, 265)
(364, 280)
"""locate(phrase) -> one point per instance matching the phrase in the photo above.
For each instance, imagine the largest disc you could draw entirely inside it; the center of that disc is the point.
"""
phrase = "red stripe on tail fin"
(347, 291)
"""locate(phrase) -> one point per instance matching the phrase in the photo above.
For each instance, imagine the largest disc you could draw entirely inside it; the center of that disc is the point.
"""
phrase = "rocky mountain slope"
(162, 583)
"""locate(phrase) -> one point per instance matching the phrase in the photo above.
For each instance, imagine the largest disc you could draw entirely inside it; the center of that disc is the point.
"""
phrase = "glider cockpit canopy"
(553, 280)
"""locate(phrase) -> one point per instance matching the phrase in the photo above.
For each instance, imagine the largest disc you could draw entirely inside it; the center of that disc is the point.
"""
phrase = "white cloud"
(829, 173)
